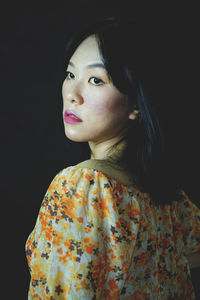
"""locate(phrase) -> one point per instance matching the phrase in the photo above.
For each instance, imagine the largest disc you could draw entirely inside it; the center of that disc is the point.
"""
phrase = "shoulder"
(90, 169)
(88, 179)
(79, 177)
(79, 172)
(76, 188)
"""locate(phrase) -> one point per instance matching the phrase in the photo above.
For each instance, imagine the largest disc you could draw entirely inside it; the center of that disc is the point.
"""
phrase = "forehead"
(87, 51)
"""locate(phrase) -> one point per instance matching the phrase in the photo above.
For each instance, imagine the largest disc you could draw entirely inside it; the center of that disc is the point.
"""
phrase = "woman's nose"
(73, 94)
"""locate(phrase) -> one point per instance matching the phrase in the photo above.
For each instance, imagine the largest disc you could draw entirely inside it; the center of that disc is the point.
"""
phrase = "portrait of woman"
(113, 226)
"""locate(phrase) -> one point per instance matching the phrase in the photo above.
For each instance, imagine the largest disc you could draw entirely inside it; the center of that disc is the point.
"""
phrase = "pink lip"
(71, 118)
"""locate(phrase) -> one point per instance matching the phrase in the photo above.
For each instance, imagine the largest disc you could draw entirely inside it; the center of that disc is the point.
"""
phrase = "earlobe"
(134, 114)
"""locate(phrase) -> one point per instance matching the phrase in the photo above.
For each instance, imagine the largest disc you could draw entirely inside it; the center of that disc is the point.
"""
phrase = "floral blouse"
(96, 238)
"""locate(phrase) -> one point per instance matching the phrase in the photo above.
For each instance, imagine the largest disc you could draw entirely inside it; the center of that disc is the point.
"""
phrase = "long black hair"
(126, 52)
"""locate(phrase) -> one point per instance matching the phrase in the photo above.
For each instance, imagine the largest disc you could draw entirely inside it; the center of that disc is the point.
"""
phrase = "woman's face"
(89, 94)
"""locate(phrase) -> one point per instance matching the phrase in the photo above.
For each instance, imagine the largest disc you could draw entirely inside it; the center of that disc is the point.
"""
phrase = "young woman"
(108, 228)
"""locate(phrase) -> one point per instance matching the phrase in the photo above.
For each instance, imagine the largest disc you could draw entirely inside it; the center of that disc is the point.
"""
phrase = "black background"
(33, 143)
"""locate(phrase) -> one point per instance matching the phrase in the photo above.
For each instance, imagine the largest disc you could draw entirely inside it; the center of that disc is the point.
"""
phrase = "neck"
(106, 151)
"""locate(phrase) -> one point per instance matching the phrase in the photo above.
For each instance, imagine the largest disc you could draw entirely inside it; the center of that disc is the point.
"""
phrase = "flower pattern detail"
(96, 238)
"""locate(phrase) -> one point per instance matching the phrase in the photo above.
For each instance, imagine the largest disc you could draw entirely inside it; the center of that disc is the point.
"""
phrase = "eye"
(70, 75)
(96, 81)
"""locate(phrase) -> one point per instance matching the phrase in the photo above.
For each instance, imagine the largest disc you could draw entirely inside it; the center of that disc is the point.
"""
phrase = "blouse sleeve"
(189, 217)
(84, 237)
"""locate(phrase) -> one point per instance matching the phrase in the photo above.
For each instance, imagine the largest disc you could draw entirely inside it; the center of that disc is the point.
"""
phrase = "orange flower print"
(93, 239)
(112, 284)
(87, 230)
(48, 235)
(67, 244)
(89, 248)
(60, 250)
(88, 177)
(80, 220)
(134, 212)
(103, 205)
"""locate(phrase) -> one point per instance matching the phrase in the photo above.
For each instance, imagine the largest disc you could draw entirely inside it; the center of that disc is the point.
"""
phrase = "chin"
(82, 136)
(75, 137)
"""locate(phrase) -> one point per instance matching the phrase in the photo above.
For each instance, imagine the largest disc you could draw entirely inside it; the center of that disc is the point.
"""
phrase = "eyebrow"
(95, 65)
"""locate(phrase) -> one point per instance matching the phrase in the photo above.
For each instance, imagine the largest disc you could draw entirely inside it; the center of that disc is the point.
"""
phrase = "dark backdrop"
(33, 143)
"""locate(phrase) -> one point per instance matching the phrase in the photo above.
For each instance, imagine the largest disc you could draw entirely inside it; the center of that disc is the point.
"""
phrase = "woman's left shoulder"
(79, 172)
(86, 179)
(80, 177)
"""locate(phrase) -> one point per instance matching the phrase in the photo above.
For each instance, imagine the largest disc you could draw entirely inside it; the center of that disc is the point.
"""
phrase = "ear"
(134, 114)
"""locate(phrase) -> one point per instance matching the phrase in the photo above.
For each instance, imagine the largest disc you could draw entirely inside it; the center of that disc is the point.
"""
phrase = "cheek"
(103, 103)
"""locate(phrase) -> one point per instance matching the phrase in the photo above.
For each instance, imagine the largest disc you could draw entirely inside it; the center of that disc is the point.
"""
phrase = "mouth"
(70, 117)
